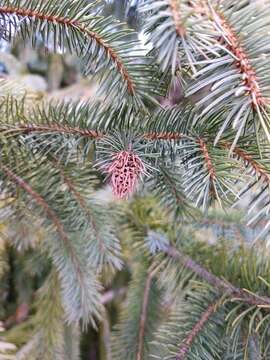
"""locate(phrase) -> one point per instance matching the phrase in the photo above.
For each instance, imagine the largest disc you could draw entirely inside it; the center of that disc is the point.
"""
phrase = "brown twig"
(166, 136)
(209, 165)
(186, 344)
(207, 158)
(146, 294)
(225, 287)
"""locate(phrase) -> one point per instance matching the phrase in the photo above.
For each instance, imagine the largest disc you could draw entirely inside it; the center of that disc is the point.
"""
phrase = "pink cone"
(125, 171)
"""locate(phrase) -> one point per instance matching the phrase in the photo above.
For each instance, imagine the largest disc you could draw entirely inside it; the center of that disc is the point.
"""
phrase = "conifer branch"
(52, 128)
(100, 236)
(49, 212)
(208, 161)
(171, 186)
(187, 343)
(242, 60)
(110, 52)
(215, 53)
(140, 314)
(235, 77)
(176, 13)
(233, 44)
(64, 129)
(29, 128)
(258, 168)
(227, 288)
(80, 288)
(165, 14)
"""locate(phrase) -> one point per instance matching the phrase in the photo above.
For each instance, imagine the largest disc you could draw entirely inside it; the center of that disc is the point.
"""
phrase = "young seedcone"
(125, 172)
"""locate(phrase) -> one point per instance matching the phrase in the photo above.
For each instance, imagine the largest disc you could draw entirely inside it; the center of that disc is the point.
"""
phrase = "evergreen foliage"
(157, 263)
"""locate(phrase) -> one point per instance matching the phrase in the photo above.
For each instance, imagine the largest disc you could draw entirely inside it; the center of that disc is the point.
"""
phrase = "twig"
(146, 294)
(226, 287)
(186, 344)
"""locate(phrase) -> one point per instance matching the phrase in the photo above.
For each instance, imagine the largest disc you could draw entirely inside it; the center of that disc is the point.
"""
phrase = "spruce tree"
(137, 223)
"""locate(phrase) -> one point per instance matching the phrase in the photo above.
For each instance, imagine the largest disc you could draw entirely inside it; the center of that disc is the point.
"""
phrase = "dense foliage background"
(134, 180)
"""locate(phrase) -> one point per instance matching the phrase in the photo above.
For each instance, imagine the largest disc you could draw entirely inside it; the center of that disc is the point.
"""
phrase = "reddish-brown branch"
(247, 158)
(166, 136)
(233, 44)
(259, 169)
(143, 319)
(180, 29)
(57, 128)
(76, 25)
(225, 287)
(185, 346)
(208, 161)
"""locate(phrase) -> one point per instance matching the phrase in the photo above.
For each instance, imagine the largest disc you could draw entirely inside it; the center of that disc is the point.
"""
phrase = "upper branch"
(242, 62)
(110, 52)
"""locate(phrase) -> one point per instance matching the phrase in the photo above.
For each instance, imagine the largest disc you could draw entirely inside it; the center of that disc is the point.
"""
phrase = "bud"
(125, 171)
